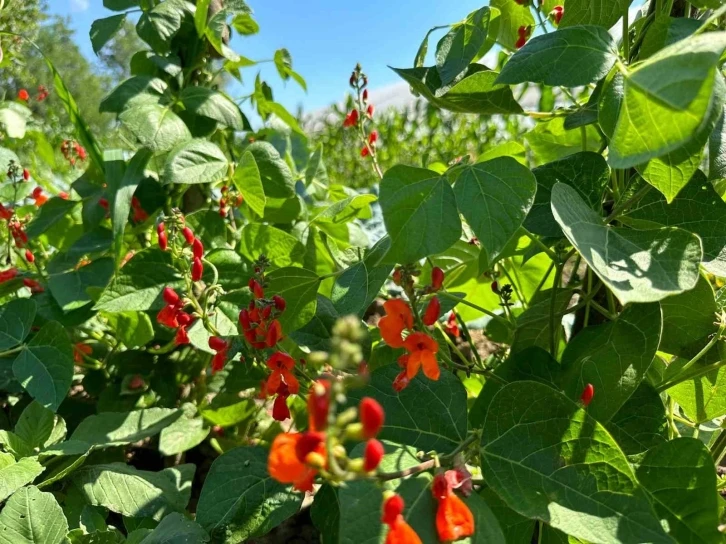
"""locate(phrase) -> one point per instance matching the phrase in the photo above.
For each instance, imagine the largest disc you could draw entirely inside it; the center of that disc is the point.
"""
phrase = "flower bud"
(170, 296)
(197, 248)
(319, 404)
(26, 174)
(29, 256)
(188, 235)
(587, 394)
(371, 416)
(244, 319)
(217, 344)
(274, 333)
(392, 508)
(437, 278)
(372, 455)
(256, 288)
(280, 303)
(197, 269)
(433, 310)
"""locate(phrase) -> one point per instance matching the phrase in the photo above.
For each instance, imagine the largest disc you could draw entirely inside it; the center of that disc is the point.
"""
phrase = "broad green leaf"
(641, 422)
(281, 248)
(159, 25)
(439, 421)
(586, 172)
(200, 17)
(701, 398)
(120, 5)
(134, 329)
(209, 226)
(115, 429)
(511, 149)
(688, 319)
(697, 209)
(156, 127)
(671, 100)
(549, 460)
(637, 265)
(214, 105)
(229, 415)
(45, 366)
(495, 197)
(299, 288)
(461, 45)
(16, 318)
(513, 16)
(183, 434)
(32, 517)
(249, 183)
(196, 161)
(419, 210)
(284, 115)
(671, 172)
(14, 475)
(550, 140)
(51, 214)
(13, 119)
(717, 150)
(517, 529)
(35, 424)
(245, 24)
(316, 334)
(593, 12)
(103, 30)
(614, 357)
(345, 210)
(251, 507)
(123, 193)
(666, 31)
(534, 325)
(139, 284)
(349, 514)
(71, 289)
(315, 172)
(680, 478)
(277, 178)
(135, 90)
(176, 529)
(570, 57)
(477, 92)
(137, 493)
(15, 445)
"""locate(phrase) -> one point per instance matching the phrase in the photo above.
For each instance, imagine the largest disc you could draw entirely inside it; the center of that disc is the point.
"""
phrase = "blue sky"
(325, 37)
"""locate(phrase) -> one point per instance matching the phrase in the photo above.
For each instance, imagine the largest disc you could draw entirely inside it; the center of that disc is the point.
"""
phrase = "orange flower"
(285, 464)
(399, 532)
(422, 349)
(398, 317)
(454, 520)
(79, 350)
(281, 365)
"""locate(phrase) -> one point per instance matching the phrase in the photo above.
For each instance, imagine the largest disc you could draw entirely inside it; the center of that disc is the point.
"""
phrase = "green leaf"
(45, 366)
(461, 45)
(666, 31)
(439, 419)
(281, 248)
(534, 325)
(614, 357)
(230, 414)
(495, 197)
(138, 285)
(701, 398)
(697, 209)
(120, 5)
(245, 24)
(14, 119)
(50, 215)
(299, 288)
(638, 266)
(16, 318)
(183, 434)
(570, 57)
(248, 181)
(513, 15)
(14, 475)
(641, 422)
(550, 140)
(32, 517)
(176, 529)
(213, 104)
(134, 329)
(103, 30)
(160, 24)
(134, 91)
(209, 226)
(586, 172)
(35, 424)
(122, 194)
(155, 126)
(71, 289)
(549, 460)
(251, 507)
(116, 429)
(688, 319)
(477, 92)
(680, 478)
(350, 513)
(516, 528)
(419, 210)
(316, 334)
(197, 161)
(277, 178)
(717, 150)
(15, 445)
(670, 101)
(136, 493)
(671, 172)
(593, 12)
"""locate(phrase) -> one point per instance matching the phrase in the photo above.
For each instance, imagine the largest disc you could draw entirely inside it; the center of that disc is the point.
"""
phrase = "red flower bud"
(365, 95)
(319, 404)
(63, 195)
(29, 256)
(217, 344)
(181, 337)
(495, 287)
(244, 319)
(197, 248)
(437, 278)
(136, 382)
(364, 152)
(397, 279)
(587, 394)
(218, 361)
(23, 95)
(163, 240)
(26, 174)
(373, 137)
(392, 508)
(371, 416)
(256, 288)
(280, 411)
(266, 311)
(188, 235)
(401, 381)
(274, 334)
(280, 303)
(372, 455)
(170, 296)
(103, 202)
(369, 110)
(183, 318)
(351, 119)
(197, 269)
(433, 310)
(556, 15)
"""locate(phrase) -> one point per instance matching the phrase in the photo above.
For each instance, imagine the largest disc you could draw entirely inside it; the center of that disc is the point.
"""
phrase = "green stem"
(626, 34)
(554, 328)
(12, 351)
(465, 302)
(623, 206)
(551, 254)
(688, 372)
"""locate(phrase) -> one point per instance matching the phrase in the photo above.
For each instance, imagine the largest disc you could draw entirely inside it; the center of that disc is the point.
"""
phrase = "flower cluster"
(229, 197)
(24, 95)
(523, 34)
(259, 321)
(173, 316)
(362, 112)
(197, 247)
(73, 151)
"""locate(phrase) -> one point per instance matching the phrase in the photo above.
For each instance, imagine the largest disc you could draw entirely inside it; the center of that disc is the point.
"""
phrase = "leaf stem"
(465, 302)
(688, 372)
(12, 351)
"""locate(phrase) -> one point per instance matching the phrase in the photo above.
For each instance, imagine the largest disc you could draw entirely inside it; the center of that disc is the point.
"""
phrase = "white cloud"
(79, 5)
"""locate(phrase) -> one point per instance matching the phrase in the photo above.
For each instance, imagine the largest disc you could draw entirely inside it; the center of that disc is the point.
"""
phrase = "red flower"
(197, 248)
(80, 350)
(281, 365)
(365, 95)
(244, 319)
(437, 278)
(364, 152)
(495, 287)
(454, 520)
(401, 381)
(7, 275)
(523, 32)
(587, 394)
(170, 296)
(274, 333)
(398, 317)
(23, 95)
(29, 256)
(556, 15)
(26, 174)
(39, 197)
(372, 455)
(371, 416)
(197, 269)
(452, 326)
(280, 411)
(220, 346)
(5, 213)
(188, 235)
(399, 532)
(433, 310)
(351, 119)
(369, 111)
(103, 203)
(284, 464)
(163, 240)
(397, 276)
(256, 288)
(217, 344)
(422, 349)
(181, 338)
(280, 303)
(318, 405)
